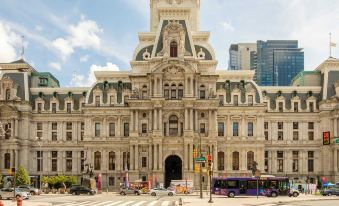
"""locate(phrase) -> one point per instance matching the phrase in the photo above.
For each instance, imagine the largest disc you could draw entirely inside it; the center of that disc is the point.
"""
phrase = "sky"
(73, 38)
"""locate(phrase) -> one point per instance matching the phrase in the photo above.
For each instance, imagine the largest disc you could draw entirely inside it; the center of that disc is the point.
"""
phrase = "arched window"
(250, 160)
(235, 160)
(7, 161)
(166, 91)
(173, 125)
(173, 91)
(174, 49)
(180, 91)
(111, 161)
(97, 161)
(8, 94)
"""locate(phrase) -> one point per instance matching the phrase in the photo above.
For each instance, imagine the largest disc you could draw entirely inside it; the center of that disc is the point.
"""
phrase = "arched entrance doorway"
(173, 169)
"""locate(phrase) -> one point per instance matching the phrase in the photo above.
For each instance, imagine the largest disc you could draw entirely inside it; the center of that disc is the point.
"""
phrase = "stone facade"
(150, 119)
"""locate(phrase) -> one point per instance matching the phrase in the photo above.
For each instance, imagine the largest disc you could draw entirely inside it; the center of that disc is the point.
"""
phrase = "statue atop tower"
(175, 10)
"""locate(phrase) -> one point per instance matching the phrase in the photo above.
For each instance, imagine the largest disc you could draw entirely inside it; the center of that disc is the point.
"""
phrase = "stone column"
(186, 156)
(335, 159)
(160, 88)
(191, 119)
(215, 158)
(132, 121)
(160, 119)
(196, 120)
(154, 118)
(209, 121)
(335, 127)
(131, 154)
(150, 157)
(155, 86)
(160, 156)
(136, 157)
(228, 126)
(155, 160)
(186, 87)
(191, 86)
(186, 119)
(119, 127)
(136, 121)
(215, 121)
(243, 127)
(191, 157)
(16, 128)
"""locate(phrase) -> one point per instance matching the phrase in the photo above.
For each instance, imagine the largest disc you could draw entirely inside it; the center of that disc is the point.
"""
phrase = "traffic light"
(195, 153)
(209, 162)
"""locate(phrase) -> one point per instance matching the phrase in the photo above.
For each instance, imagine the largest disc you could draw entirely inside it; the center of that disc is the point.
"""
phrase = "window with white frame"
(311, 131)
(295, 131)
(250, 129)
(235, 129)
(280, 161)
(295, 161)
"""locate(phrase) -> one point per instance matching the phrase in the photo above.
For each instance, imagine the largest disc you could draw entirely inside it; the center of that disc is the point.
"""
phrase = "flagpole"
(330, 46)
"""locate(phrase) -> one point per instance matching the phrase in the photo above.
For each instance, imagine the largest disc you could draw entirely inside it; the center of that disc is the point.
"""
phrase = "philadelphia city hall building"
(150, 119)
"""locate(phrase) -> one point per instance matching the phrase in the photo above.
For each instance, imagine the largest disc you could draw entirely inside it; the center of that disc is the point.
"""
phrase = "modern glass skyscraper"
(278, 62)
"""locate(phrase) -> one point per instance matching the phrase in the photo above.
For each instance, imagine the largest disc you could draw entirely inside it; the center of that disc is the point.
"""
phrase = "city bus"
(235, 186)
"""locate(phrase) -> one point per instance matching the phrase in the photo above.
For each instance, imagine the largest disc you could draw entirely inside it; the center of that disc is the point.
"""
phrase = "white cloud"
(55, 65)
(83, 35)
(38, 27)
(228, 25)
(84, 58)
(79, 80)
(9, 41)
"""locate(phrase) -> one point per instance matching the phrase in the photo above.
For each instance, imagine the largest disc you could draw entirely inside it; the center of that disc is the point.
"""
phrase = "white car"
(161, 191)
(7, 193)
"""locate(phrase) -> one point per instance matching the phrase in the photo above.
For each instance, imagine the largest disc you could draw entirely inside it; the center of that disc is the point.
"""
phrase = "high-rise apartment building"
(240, 56)
(278, 62)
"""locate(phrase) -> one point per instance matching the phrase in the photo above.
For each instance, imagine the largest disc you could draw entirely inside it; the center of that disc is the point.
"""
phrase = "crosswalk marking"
(102, 203)
(114, 203)
(87, 204)
(139, 203)
(165, 203)
(126, 203)
(152, 203)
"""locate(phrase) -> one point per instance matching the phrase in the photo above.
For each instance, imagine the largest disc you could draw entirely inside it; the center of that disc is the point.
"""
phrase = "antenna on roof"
(22, 47)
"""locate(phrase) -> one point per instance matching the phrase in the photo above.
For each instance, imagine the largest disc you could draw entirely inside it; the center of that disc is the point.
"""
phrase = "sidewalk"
(25, 203)
(245, 201)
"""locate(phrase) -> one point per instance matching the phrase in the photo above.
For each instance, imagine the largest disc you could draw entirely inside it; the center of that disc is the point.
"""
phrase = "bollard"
(1, 203)
(19, 201)
(180, 201)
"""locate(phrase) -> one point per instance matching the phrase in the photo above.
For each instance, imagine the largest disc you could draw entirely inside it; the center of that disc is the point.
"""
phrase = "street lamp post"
(200, 168)
(39, 140)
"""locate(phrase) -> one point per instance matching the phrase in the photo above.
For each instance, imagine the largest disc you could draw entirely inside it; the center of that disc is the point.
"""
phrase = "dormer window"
(174, 49)
(8, 94)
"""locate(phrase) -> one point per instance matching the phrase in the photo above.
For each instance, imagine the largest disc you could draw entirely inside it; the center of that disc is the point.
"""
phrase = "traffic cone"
(19, 201)
(1, 203)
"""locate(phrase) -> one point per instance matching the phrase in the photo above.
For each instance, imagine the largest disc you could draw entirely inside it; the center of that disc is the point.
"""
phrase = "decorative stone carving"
(146, 55)
(249, 87)
(135, 93)
(9, 88)
(173, 32)
(201, 54)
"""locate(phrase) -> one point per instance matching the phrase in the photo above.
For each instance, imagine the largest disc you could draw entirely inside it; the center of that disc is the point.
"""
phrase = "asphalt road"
(307, 203)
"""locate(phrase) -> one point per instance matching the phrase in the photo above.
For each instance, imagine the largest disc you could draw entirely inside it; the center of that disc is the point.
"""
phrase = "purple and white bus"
(235, 186)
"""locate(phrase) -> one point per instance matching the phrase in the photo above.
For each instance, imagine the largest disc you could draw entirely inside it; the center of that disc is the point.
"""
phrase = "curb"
(296, 200)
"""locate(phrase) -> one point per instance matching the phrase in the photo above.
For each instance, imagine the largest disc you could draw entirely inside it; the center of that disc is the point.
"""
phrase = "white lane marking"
(102, 203)
(152, 203)
(165, 203)
(70, 203)
(114, 203)
(176, 202)
(139, 203)
(126, 203)
(87, 204)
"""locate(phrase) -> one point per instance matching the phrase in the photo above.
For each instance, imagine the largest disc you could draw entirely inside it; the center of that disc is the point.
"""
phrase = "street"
(113, 199)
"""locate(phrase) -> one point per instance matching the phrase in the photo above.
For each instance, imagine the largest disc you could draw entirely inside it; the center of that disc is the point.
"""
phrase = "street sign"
(337, 141)
(196, 168)
(200, 160)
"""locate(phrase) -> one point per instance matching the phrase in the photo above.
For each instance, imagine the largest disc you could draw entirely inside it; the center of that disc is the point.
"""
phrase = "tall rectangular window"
(144, 128)
(281, 106)
(68, 161)
(296, 106)
(221, 129)
(311, 106)
(144, 162)
(39, 155)
(82, 161)
(250, 100)
(97, 101)
(280, 125)
(280, 161)
(111, 181)
(266, 125)
(311, 125)
(250, 129)
(235, 100)
(202, 128)
(97, 129)
(54, 161)
(166, 93)
(180, 94)
(54, 136)
(111, 100)
(69, 136)
(311, 131)
(295, 125)
(173, 94)
(126, 129)
(202, 94)
(53, 108)
(266, 161)
(54, 125)
(39, 107)
(310, 161)
(112, 129)
(295, 135)
(69, 125)
(295, 161)
(235, 129)
(69, 108)
(8, 130)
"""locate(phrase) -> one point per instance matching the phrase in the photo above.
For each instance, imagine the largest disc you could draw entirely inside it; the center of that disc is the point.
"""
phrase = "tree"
(21, 177)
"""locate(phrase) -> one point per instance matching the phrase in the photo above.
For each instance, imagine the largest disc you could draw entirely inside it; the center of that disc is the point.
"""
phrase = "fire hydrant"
(180, 201)
(1, 203)
(19, 201)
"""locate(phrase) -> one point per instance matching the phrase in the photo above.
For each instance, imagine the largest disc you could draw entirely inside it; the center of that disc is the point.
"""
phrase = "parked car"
(330, 191)
(161, 191)
(30, 189)
(129, 191)
(78, 190)
(7, 193)
(293, 192)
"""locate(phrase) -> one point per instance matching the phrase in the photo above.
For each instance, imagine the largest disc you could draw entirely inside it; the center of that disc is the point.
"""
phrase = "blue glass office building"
(278, 62)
